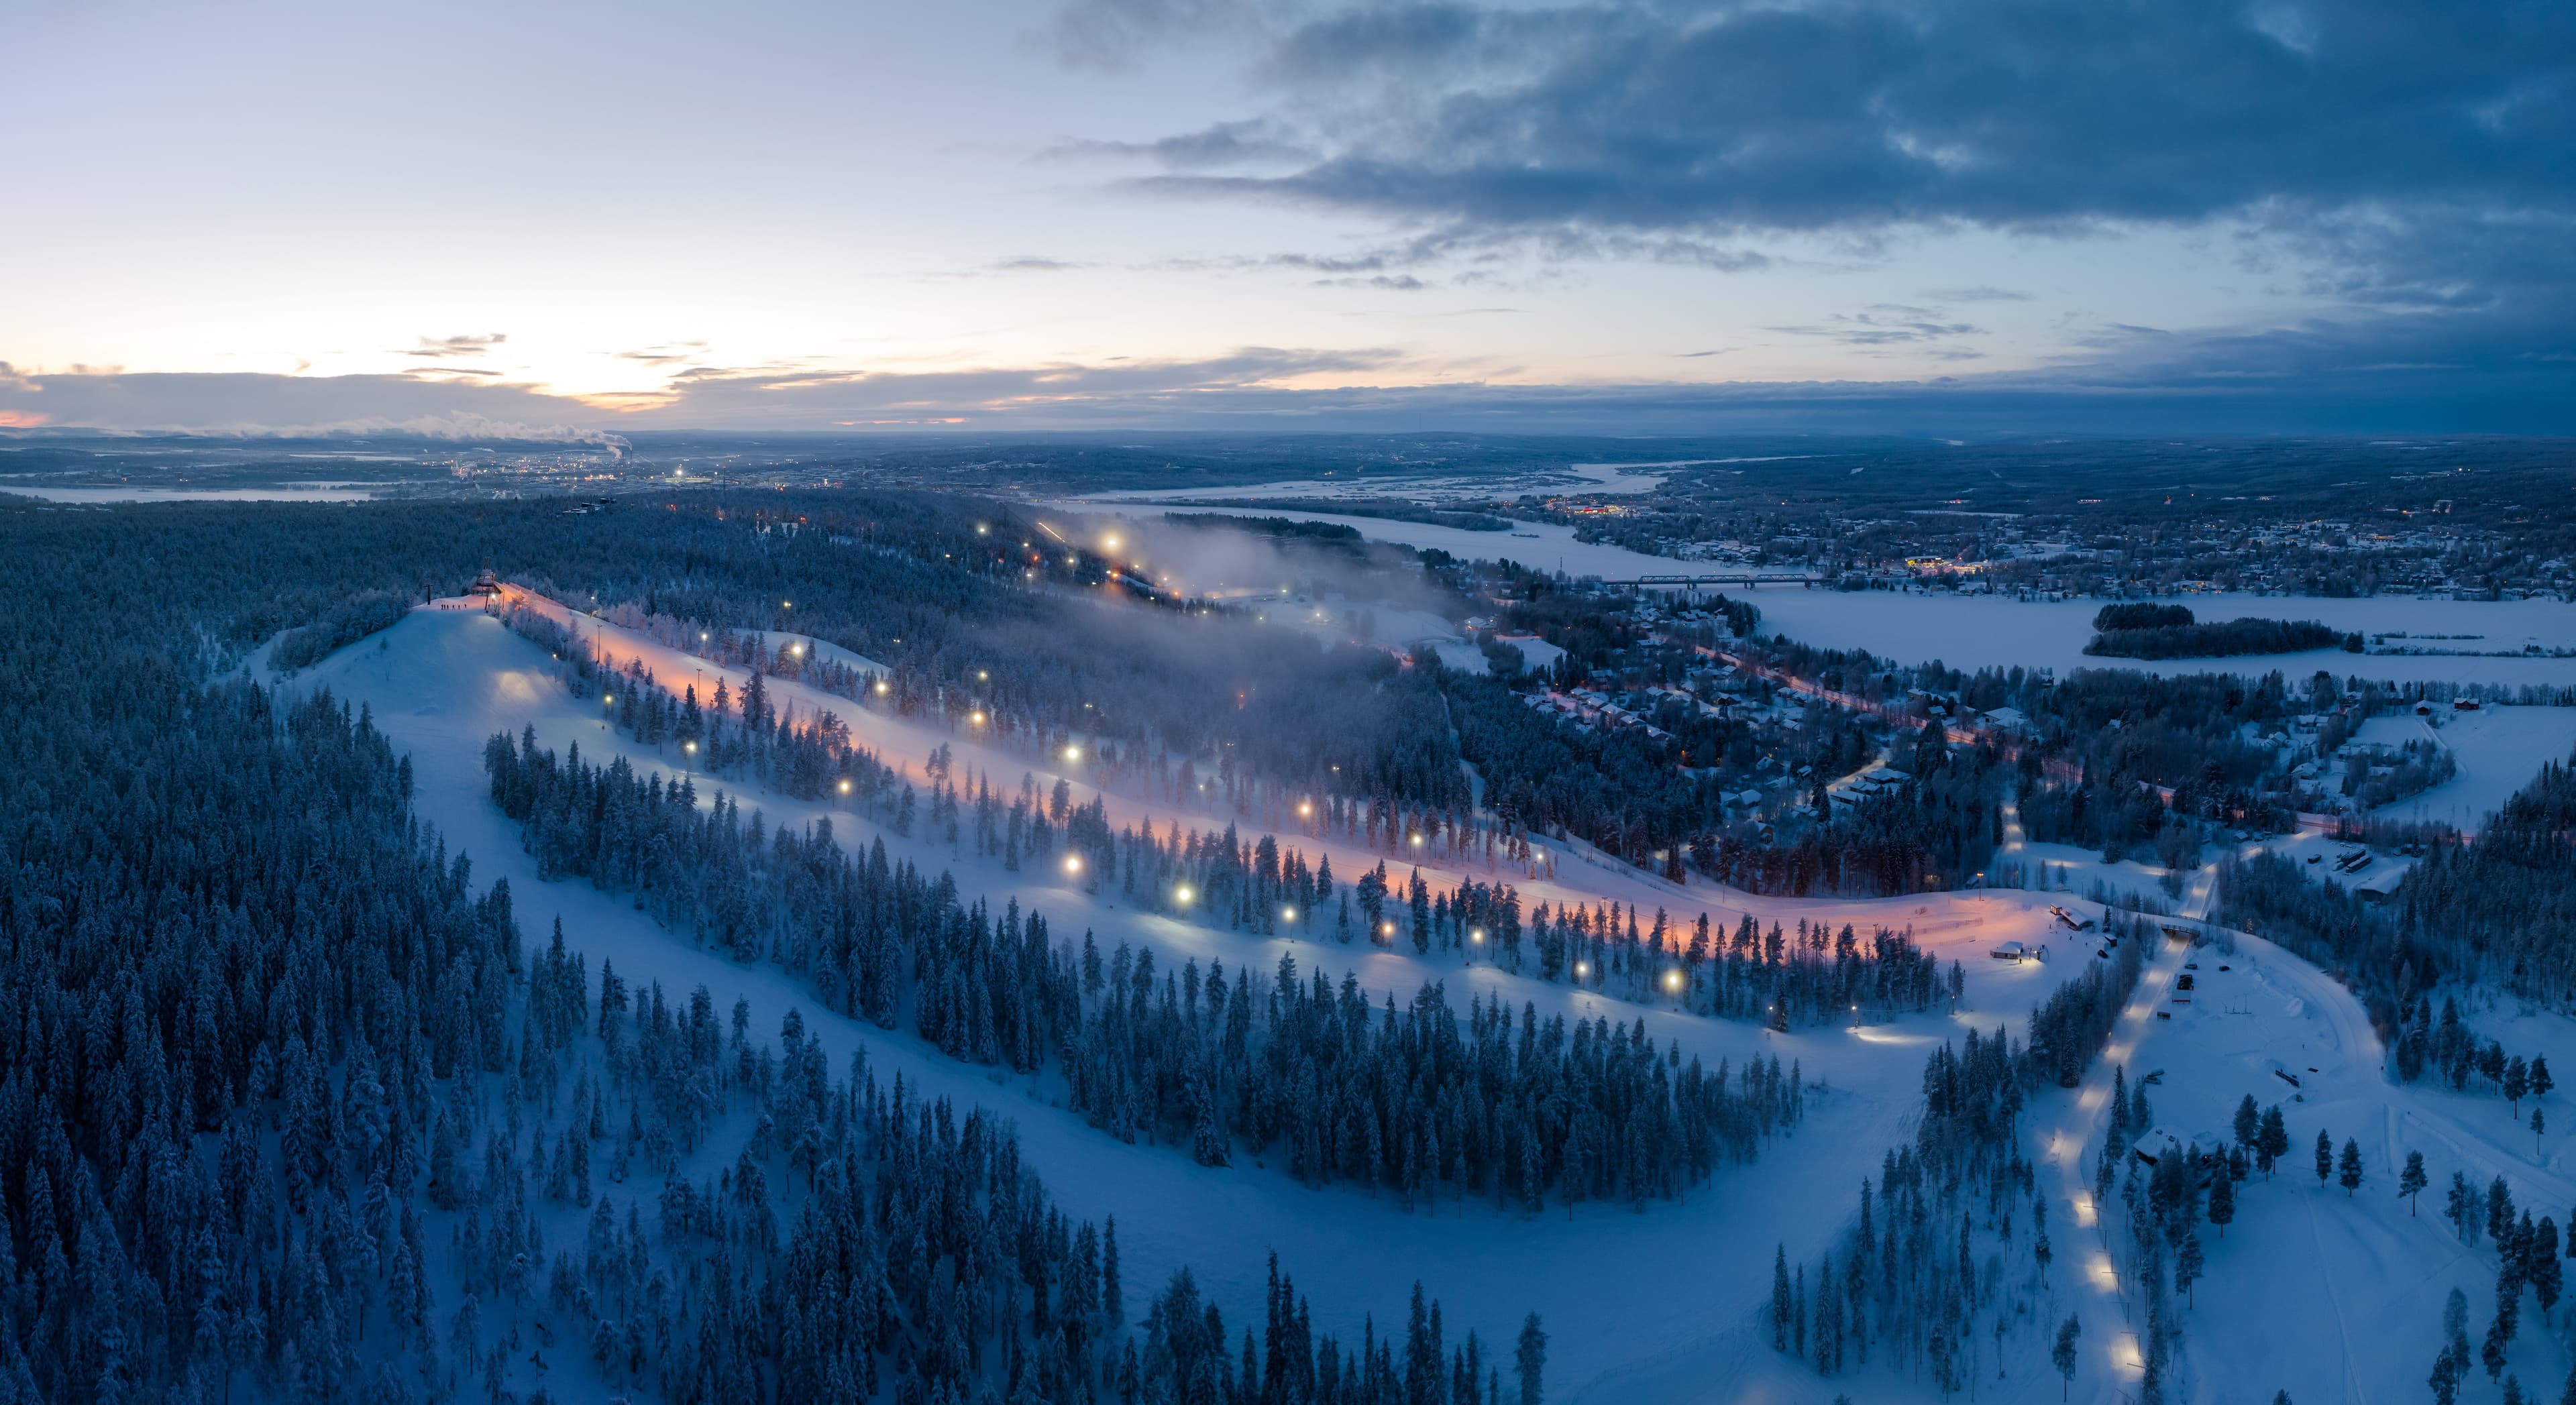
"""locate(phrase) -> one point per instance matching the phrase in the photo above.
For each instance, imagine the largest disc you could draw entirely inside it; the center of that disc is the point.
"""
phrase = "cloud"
(437, 348)
(2371, 132)
(1390, 282)
(1885, 324)
(2427, 371)
(668, 353)
(1255, 142)
(1976, 294)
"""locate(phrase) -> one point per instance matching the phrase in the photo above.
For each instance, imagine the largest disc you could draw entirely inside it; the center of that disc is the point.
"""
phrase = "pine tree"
(2062, 1355)
(1780, 1298)
(1529, 1361)
(2349, 1172)
(2222, 1201)
(2411, 1181)
(2325, 1157)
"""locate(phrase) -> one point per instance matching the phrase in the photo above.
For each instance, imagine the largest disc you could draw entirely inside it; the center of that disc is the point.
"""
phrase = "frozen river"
(1975, 631)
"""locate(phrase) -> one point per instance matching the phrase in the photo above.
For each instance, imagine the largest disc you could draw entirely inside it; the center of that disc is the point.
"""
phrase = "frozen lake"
(1976, 631)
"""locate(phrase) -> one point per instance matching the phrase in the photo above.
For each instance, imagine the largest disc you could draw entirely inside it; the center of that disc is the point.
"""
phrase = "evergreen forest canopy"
(289, 1106)
(288, 1102)
(2145, 630)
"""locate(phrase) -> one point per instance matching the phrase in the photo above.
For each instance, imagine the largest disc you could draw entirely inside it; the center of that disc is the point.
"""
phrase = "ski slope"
(1658, 1306)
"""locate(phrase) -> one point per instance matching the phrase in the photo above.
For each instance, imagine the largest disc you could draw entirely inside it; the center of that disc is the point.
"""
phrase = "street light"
(1073, 863)
(1073, 753)
(1287, 914)
(845, 787)
(1476, 934)
(1181, 895)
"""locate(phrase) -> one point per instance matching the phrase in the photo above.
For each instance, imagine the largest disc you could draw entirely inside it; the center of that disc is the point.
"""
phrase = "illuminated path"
(2108, 1356)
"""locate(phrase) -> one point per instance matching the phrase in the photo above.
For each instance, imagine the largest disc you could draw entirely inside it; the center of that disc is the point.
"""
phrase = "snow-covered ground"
(1979, 631)
(2333, 1299)
(2499, 750)
(780, 640)
(1653, 1306)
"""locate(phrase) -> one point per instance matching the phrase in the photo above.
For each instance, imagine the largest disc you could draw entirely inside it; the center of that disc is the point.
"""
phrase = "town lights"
(845, 787)
(1417, 841)
(881, 690)
(1073, 753)
(689, 747)
(1305, 808)
(975, 717)
(1672, 980)
(1582, 969)
(1287, 914)
(1476, 934)
(607, 699)
(1073, 863)
(797, 649)
(1386, 929)
(1181, 895)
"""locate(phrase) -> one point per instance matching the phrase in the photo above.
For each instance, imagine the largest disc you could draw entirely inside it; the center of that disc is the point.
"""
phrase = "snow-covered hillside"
(1651, 1306)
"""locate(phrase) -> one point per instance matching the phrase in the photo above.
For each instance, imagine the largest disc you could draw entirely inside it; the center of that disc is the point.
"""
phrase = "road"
(2109, 1347)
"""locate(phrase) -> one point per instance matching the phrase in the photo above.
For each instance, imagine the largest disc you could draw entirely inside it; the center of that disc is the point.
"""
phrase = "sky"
(1672, 216)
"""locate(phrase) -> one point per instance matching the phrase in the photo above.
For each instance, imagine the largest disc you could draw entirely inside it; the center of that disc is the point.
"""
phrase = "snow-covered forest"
(808, 946)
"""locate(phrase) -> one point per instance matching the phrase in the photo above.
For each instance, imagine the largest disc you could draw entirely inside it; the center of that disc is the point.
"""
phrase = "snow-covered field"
(2499, 750)
(1975, 631)
(2332, 1299)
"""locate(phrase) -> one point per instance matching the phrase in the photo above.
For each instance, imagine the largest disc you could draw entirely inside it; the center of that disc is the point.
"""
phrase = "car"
(2191, 965)
(2225, 967)
(2184, 983)
(2316, 858)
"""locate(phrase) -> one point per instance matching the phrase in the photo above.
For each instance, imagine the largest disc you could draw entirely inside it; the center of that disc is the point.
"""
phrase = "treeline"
(345, 623)
(1399, 1100)
(2505, 905)
(2219, 639)
(2141, 614)
(2499, 909)
(1254, 885)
